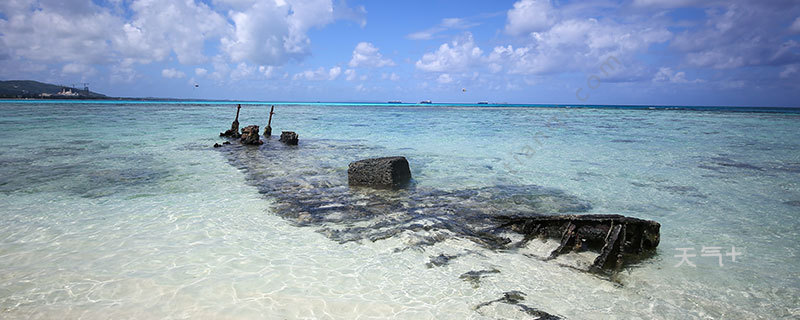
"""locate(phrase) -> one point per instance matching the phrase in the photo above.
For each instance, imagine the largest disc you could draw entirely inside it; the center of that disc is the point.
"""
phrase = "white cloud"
(715, 58)
(164, 26)
(50, 33)
(172, 73)
(77, 68)
(334, 73)
(319, 74)
(357, 14)
(790, 70)
(267, 71)
(458, 55)
(529, 16)
(444, 78)
(126, 33)
(575, 45)
(666, 74)
(123, 73)
(390, 76)
(445, 25)
(273, 32)
(350, 75)
(795, 27)
(243, 71)
(200, 72)
(739, 34)
(366, 55)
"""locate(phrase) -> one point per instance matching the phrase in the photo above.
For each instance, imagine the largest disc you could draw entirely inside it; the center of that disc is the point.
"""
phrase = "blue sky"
(658, 52)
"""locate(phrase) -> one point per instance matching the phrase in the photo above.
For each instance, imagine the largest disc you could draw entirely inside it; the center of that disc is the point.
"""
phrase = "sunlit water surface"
(126, 211)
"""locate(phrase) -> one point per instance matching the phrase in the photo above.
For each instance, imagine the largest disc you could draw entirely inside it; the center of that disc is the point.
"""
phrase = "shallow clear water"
(125, 210)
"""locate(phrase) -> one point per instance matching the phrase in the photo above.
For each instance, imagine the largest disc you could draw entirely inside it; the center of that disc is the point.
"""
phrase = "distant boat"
(395, 101)
(483, 102)
(425, 102)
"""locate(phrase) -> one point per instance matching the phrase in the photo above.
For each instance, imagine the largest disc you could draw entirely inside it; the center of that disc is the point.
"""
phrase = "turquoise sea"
(125, 210)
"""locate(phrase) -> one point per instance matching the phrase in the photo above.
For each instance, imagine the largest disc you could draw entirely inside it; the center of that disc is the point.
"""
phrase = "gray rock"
(289, 137)
(383, 173)
(250, 135)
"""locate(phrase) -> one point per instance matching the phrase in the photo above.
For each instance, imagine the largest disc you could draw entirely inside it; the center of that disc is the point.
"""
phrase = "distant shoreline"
(121, 100)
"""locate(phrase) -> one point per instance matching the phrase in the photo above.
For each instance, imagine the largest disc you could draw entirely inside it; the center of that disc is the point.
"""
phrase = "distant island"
(27, 89)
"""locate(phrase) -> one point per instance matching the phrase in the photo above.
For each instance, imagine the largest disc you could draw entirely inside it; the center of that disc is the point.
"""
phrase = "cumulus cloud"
(172, 73)
(366, 55)
(48, 32)
(77, 68)
(272, 32)
(457, 55)
(444, 78)
(666, 74)
(350, 75)
(575, 45)
(529, 16)
(121, 34)
(267, 71)
(789, 71)
(243, 71)
(334, 73)
(319, 74)
(738, 34)
(200, 71)
(160, 27)
(795, 27)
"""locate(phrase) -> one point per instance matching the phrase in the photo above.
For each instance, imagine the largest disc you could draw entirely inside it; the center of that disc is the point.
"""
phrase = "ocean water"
(124, 210)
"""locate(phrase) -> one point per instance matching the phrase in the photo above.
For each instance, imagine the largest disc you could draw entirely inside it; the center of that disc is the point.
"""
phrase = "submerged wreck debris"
(250, 135)
(474, 277)
(382, 173)
(289, 137)
(514, 298)
(440, 260)
(233, 132)
(312, 193)
(268, 129)
(618, 238)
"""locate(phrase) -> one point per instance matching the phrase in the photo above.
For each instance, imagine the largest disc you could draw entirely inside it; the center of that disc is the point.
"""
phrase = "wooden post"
(268, 129)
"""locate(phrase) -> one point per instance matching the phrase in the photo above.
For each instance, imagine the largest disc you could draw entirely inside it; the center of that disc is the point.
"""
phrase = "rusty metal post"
(268, 129)
(238, 107)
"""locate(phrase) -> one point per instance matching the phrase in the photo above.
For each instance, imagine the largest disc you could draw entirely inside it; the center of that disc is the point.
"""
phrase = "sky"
(631, 52)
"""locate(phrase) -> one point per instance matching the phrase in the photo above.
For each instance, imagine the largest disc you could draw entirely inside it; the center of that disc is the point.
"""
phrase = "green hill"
(35, 89)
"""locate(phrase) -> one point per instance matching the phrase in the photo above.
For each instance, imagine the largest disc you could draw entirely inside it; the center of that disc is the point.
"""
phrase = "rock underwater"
(250, 135)
(289, 137)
